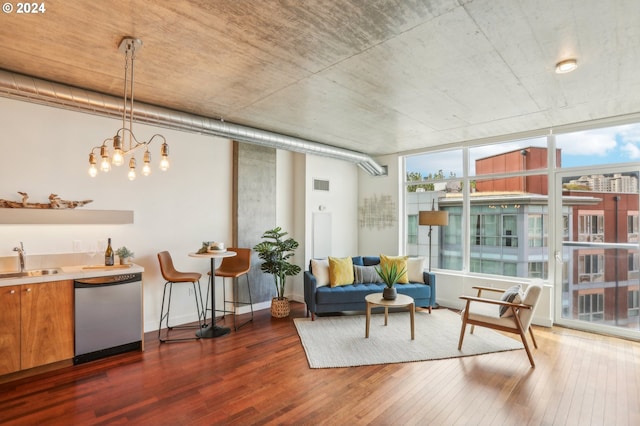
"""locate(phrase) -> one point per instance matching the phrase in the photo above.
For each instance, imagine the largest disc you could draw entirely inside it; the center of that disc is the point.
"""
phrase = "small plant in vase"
(390, 274)
(125, 255)
(275, 253)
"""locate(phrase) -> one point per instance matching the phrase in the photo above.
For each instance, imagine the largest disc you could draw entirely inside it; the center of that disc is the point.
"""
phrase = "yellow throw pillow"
(340, 271)
(400, 262)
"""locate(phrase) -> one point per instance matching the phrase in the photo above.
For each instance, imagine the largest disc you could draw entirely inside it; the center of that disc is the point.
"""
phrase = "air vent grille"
(320, 185)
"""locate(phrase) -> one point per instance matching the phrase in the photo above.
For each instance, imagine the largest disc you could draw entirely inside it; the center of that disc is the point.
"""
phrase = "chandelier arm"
(133, 58)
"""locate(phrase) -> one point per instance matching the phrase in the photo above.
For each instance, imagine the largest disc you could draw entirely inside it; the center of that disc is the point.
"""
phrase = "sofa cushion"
(357, 260)
(365, 274)
(415, 269)
(400, 262)
(320, 270)
(511, 295)
(340, 271)
(355, 293)
(370, 260)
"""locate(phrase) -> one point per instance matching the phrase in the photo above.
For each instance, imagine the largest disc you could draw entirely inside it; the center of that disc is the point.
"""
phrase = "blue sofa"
(350, 297)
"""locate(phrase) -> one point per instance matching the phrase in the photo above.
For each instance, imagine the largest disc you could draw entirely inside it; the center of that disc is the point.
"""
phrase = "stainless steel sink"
(32, 273)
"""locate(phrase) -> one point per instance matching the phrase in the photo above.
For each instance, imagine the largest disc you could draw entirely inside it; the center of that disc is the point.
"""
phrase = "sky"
(610, 145)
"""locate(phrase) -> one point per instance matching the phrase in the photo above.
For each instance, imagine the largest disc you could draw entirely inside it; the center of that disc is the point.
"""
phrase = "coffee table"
(401, 300)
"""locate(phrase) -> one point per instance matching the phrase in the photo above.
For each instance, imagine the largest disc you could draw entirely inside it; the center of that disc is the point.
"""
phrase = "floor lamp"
(433, 218)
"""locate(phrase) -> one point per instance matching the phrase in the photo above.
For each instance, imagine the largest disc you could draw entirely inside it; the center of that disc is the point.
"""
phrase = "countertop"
(72, 273)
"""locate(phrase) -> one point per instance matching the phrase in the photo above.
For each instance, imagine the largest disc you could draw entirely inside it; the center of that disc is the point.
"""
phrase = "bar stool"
(233, 267)
(172, 276)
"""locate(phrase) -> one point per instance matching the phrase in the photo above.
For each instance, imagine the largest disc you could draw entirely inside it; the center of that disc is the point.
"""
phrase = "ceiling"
(374, 76)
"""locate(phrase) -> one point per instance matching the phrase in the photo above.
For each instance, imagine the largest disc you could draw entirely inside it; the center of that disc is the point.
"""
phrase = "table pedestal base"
(211, 331)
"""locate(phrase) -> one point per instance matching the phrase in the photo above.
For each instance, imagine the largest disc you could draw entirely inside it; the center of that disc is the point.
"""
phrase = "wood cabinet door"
(47, 323)
(9, 329)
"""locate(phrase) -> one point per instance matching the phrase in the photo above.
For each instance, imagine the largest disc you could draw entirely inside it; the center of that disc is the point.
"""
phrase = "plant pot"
(280, 307)
(389, 293)
(125, 260)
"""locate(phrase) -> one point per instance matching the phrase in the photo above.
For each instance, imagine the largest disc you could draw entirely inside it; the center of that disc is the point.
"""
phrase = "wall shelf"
(65, 216)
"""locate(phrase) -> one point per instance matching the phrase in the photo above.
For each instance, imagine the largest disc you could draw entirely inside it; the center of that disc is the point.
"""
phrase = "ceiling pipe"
(31, 89)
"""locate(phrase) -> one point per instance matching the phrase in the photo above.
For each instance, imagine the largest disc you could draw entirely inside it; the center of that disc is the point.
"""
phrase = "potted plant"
(275, 253)
(390, 274)
(125, 255)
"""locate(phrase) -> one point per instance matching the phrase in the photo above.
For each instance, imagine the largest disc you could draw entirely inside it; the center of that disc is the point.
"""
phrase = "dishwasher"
(108, 316)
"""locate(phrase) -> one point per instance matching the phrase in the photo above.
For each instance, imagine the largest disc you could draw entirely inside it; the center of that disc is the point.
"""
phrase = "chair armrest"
(310, 285)
(496, 290)
(494, 302)
(430, 280)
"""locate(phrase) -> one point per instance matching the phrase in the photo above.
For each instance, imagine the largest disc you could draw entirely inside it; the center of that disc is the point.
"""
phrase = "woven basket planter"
(280, 307)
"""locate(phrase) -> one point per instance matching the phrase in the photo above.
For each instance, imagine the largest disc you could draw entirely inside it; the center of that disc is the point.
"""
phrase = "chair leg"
(523, 336)
(236, 303)
(165, 316)
(533, 339)
(462, 330)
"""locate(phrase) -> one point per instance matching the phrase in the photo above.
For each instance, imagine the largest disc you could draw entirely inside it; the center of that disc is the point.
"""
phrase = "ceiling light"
(566, 66)
(124, 141)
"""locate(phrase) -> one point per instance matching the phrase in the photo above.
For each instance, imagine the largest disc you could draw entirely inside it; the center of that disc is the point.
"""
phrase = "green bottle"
(108, 254)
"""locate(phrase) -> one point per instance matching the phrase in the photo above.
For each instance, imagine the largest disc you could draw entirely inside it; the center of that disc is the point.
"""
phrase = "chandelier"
(124, 142)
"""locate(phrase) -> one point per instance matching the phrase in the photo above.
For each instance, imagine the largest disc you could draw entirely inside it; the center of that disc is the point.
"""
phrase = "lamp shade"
(433, 218)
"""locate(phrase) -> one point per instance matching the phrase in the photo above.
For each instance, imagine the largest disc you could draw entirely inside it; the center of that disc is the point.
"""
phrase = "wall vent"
(320, 185)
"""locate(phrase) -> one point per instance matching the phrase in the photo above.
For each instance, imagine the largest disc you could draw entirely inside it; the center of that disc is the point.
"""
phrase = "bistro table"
(212, 330)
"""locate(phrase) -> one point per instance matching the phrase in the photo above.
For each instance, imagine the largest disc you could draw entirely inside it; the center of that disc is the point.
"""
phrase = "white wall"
(45, 150)
(341, 201)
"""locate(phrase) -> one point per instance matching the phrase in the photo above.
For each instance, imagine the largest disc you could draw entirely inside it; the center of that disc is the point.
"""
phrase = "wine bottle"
(108, 254)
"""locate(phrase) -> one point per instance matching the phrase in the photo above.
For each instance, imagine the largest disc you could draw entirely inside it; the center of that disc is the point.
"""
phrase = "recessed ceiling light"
(566, 66)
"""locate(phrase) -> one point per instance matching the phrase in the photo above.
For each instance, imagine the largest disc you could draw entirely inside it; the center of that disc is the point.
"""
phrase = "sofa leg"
(429, 309)
(313, 316)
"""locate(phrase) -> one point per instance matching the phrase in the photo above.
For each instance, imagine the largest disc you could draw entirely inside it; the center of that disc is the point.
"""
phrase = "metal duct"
(31, 89)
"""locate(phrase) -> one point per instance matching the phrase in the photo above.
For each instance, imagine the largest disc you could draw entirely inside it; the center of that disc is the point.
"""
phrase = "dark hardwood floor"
(260, 375)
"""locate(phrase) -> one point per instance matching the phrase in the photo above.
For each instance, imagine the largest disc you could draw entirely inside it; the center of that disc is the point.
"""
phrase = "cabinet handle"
(12, 292)
(28, 290)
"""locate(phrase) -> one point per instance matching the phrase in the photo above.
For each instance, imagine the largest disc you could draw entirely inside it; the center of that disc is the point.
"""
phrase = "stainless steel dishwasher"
(108, 316)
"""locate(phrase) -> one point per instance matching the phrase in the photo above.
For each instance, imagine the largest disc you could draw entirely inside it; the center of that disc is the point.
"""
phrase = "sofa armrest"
(430, 279)
(310, 286)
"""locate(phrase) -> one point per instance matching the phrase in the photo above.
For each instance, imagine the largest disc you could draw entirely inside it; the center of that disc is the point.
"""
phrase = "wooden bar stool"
(172, 276)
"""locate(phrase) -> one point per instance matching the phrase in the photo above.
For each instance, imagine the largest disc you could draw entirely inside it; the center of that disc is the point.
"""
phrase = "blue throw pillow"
(357, 260)
(371, 260)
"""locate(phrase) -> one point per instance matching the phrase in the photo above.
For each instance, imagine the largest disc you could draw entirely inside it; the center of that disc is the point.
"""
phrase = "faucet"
(21, 255)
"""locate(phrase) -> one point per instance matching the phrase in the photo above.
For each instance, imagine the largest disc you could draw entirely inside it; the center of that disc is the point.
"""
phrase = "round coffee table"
(401, 300)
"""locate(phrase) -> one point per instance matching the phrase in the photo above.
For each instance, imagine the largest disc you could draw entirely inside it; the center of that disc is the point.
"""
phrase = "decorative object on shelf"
(204, 249)
(55, 202)
(124, 141)
(275, 253)
(390, 274)
(433, 218)
(125, 255)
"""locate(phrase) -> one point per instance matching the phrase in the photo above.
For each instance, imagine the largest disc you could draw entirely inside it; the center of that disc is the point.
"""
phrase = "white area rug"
(339, 341)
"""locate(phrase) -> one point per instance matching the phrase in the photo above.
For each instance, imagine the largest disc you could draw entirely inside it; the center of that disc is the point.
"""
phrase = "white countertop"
(71, 273)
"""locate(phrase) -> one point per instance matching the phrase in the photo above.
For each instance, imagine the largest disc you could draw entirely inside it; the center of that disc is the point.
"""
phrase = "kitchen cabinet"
(9, 329)
(37, 324)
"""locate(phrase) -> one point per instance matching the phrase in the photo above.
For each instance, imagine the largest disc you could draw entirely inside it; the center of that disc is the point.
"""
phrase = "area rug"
(339, 341)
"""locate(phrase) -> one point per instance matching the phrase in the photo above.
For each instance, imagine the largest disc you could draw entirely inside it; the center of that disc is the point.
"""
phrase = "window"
(632, 227)
(634, 303)
(591, 307)
(537, 235)
(591, 227)
(537, 269)
(412, 229)
(632, 266)
(590, 268)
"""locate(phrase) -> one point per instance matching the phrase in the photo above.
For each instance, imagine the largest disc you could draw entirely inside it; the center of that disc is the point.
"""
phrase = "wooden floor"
(260, 375)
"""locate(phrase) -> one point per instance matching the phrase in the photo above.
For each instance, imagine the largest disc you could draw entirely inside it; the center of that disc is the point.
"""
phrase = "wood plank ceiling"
(374, 76)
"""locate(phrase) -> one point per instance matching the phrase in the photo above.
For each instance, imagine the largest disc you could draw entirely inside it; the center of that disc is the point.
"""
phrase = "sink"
(32, 273)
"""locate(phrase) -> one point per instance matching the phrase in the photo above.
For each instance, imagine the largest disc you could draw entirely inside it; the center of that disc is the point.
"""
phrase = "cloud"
(589, 143)
(631, 149)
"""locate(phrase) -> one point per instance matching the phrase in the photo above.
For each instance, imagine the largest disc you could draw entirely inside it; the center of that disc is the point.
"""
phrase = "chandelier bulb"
(92, 165)
(146, 168)
(164, 161)
(132, 169)
(118, 157)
